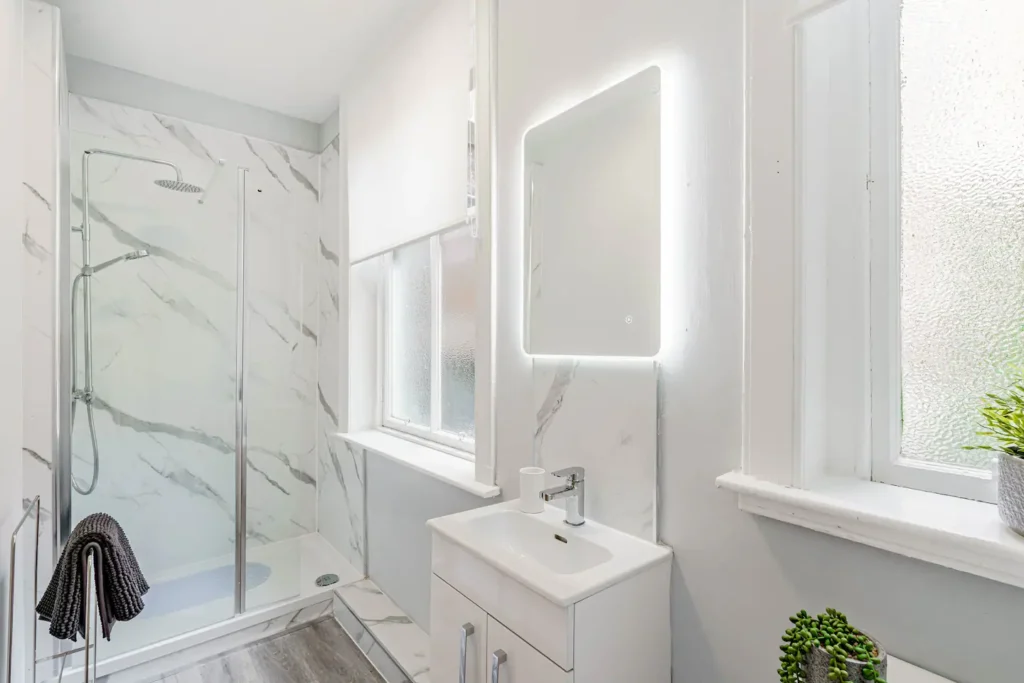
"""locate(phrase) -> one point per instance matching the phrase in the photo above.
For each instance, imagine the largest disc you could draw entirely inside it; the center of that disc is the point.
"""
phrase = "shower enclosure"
(187, 303)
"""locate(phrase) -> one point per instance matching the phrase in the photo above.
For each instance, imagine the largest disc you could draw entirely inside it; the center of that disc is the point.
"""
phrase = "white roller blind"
(803, 10)
(407, 134)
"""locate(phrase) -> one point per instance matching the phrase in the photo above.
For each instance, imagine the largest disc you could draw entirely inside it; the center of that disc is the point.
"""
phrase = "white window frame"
(782, 373)
(432, 434)
(784, 475)
(888, 465)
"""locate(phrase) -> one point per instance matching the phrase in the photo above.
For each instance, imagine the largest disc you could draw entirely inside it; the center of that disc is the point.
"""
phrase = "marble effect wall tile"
(342, 518)
(39, 186)
(364, 640)
(602, 415)
(341, 493)
(165, 334)
(390, 627)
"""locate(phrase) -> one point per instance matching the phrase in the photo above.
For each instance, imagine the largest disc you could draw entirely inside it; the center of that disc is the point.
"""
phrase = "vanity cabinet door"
(455, 620)
(521, 662)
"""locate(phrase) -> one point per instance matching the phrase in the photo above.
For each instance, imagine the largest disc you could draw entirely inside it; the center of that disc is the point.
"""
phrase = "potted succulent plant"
(1002, 421)
(827, 648)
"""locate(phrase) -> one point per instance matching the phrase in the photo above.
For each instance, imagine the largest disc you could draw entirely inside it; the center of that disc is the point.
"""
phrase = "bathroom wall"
(165, 333)
(42, 203)
(554, 405)
(399, 502)
(618, 451)
(110, 84)
(11, 256)
(736, 577)
(341, 491)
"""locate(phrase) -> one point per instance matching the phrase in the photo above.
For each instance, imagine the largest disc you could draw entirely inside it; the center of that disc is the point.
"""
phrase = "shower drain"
(326, 580)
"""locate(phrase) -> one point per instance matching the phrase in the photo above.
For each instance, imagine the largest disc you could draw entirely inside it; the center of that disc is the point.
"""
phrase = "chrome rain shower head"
(132, 255)
(179, 186)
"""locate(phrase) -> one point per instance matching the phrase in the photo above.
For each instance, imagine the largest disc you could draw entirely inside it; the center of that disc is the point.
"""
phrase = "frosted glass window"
(458, 331)
(962, 214)
(429, 383)
(411, 334)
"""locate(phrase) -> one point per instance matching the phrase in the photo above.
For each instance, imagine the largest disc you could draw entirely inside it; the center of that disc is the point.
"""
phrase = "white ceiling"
(288, 56)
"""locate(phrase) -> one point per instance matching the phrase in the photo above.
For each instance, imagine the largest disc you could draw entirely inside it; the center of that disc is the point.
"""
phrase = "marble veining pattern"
(165, 334)
(342, 498)
(619, 451)
(363, 638)
(340, 495)
(40, 194)
(392, 629)
(39, 188)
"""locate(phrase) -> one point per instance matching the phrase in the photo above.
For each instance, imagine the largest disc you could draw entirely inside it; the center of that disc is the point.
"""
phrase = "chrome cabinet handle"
(467, 631)
(498, 657)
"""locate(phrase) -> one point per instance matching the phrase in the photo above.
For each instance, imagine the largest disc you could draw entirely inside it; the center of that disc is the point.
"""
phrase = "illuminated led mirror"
(593, 225)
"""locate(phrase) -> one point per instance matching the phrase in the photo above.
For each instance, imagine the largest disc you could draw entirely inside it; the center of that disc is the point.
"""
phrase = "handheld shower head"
(130, 256)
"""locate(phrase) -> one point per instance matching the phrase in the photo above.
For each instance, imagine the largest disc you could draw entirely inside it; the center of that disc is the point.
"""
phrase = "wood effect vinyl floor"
(319, 653)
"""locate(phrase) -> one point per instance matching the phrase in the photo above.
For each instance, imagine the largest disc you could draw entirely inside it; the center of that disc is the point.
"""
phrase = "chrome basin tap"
(574, 492)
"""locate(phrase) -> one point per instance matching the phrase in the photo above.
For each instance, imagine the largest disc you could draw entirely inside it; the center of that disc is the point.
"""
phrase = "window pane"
(410, 339)
(962, 293)
(458, 331)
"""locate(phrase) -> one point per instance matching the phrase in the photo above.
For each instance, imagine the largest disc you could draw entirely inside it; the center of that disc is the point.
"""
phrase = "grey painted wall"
(92, 79)
(399, 502)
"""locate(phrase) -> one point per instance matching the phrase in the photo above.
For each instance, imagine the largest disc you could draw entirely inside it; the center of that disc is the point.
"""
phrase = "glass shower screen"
(154, 341)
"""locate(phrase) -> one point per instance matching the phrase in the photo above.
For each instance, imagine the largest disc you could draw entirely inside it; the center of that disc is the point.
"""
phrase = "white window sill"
(434, 463)
(953, 532)
(901, 672)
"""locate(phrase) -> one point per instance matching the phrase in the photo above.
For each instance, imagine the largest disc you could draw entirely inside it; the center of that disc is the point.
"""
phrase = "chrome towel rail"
(91, 605)
(11, 577)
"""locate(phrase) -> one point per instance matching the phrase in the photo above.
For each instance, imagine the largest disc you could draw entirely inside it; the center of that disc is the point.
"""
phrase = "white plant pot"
(1011, 492)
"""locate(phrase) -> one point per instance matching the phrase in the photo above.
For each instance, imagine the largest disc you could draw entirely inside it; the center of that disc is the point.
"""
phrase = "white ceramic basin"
(561, 562)
(527, 537)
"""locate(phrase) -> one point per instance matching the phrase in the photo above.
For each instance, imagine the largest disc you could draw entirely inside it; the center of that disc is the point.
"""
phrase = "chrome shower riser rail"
(86, 275)
(87, 245)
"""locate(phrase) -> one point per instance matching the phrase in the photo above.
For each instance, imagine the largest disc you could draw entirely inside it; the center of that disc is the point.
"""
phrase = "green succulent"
(832, 632)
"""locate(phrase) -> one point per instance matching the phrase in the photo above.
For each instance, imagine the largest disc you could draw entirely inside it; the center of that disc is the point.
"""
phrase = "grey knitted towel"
(119, 580)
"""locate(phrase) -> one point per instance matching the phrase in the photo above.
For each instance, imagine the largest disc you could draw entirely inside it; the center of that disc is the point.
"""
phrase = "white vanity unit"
(522, 598)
